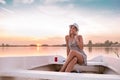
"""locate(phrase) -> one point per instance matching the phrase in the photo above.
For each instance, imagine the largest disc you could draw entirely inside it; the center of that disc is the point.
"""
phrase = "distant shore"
(57, 46)
(107, 43)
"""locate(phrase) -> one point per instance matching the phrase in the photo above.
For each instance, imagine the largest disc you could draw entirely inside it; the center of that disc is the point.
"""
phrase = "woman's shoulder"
(67, 37)
(79, 35)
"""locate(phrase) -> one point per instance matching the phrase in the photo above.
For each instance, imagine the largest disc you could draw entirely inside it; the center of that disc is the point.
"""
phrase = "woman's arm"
(79, 40)
(66, 39)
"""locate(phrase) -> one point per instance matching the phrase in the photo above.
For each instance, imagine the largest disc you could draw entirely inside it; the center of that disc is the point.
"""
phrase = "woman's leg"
(71, 65)
(79, 57)
(70, 57)
(76, 54)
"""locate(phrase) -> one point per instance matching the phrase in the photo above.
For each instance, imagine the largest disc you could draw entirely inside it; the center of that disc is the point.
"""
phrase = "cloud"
(2, 1)
(27, 1)
(7, 11)
(54, 1)
(23, 1)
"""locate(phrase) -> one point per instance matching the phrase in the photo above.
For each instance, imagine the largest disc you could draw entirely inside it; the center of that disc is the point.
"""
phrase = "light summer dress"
(73, 46)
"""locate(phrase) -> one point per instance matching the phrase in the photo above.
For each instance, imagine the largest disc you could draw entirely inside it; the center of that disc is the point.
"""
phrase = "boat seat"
(95, 63)
(94, 67)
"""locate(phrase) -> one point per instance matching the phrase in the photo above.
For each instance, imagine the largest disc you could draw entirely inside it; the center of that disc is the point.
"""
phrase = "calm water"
(39, 51)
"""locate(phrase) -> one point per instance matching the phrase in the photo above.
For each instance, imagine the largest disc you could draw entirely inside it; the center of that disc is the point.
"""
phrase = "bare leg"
(79, 57)
(71, 55)
(71, 65)
(69, 58)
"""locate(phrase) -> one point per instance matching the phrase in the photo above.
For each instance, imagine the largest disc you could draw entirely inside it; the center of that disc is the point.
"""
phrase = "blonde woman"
(75, 53)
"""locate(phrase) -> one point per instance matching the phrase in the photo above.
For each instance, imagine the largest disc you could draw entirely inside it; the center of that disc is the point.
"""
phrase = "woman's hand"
(79, 41)
(77, 38)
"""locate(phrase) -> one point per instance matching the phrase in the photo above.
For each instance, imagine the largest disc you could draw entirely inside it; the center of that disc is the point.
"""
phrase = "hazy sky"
(47, 21)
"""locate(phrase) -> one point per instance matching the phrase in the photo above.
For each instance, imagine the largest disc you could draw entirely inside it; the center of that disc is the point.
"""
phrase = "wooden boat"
(47, 67)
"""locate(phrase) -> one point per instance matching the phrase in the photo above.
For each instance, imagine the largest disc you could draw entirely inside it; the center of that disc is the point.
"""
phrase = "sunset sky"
(47, 21)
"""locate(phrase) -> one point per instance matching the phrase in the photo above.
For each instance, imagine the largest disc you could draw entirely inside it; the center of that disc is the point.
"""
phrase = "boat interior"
(96, 69)
(97, 65)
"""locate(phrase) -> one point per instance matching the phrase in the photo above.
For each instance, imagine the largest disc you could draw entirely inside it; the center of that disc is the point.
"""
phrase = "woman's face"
(73, 30)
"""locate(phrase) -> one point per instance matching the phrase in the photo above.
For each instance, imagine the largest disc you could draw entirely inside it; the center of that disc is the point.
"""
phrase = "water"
(39, 51)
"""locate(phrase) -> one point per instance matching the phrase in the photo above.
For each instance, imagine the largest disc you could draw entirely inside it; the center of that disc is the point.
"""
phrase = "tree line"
(106, 43)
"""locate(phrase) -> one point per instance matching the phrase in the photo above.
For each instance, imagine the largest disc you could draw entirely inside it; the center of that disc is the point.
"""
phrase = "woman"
(75, 53)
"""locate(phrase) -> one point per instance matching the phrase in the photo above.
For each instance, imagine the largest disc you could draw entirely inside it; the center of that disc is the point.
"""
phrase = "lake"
(39, 51)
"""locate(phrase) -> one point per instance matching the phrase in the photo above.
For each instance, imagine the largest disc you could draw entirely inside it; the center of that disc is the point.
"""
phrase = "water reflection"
(107, 50)
(90, 49)
(116, 51)
(104, 51)
(38, 51)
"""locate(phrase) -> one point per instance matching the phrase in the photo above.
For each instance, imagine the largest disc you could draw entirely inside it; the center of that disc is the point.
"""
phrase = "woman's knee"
(72, 52)
(75, 59)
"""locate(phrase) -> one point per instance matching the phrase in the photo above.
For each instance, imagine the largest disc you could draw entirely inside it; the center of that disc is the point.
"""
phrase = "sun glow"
(38, 44)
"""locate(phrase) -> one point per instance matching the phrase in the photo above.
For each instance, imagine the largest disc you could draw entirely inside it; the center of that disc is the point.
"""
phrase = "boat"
(47, 68)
